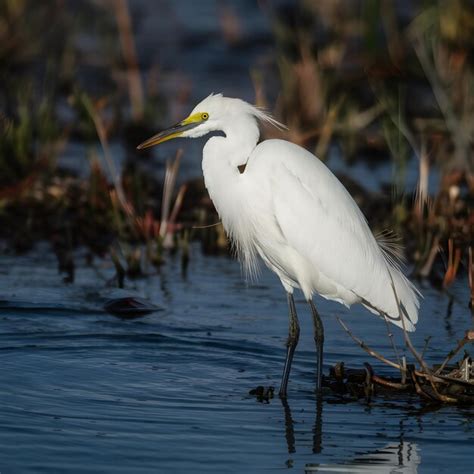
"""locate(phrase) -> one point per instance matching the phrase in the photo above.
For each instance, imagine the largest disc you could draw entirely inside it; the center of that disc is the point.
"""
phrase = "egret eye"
(205, 116)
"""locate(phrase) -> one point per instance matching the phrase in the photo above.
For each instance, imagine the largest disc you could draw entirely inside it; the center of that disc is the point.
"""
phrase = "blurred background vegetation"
(380, 85)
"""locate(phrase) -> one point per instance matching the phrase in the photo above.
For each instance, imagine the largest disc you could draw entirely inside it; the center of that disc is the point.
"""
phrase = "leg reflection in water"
(318, 425)
(317, 428)
(289, 426)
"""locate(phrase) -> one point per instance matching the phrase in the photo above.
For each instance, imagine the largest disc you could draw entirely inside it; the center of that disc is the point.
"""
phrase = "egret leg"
(293, 337)
(319, 340)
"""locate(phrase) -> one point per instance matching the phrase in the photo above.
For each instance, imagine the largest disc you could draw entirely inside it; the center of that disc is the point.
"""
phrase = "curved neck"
(241, 137)
(223, 155)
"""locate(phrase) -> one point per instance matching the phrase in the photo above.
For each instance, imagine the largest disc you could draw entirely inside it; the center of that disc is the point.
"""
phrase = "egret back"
(325, 244)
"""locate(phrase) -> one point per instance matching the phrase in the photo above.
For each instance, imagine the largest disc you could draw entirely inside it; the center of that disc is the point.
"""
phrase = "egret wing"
(321, 221)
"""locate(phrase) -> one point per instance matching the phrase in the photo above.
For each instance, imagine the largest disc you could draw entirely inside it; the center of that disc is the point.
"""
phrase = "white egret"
(278, 201)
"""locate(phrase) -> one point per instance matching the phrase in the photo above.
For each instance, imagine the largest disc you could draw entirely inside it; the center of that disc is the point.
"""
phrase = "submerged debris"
(263, 394)
(453, 384)
(130, 307)
(456, 387)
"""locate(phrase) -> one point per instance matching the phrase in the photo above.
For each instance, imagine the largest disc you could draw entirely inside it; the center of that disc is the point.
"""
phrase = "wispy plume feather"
(264, 116)
(391, 247)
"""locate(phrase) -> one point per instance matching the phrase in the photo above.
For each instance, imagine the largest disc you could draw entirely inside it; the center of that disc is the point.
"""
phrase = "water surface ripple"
(85, 391)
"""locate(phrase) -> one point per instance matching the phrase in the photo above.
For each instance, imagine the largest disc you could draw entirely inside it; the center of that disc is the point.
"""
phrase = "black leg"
(293, 336)
(319, 339)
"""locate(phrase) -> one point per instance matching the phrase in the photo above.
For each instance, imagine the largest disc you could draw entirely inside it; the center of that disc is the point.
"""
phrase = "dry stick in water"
(404, 371)
(468, 337)
(370, 351)
(420, 360)
(427, 373)
(425, 347)
(395, 349)
(389, 383)
(366, 348)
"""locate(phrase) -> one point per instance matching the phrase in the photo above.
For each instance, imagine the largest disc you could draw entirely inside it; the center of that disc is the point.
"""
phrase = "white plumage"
(289, 209)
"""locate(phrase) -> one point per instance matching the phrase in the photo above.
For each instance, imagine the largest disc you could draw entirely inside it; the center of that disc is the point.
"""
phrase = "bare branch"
(366, 348)
(468, 337)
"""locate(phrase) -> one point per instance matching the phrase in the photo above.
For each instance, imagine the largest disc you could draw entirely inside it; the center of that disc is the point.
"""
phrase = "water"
(85, 391)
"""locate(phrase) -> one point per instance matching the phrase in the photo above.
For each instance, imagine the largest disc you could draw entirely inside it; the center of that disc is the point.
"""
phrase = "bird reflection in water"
(401, 458)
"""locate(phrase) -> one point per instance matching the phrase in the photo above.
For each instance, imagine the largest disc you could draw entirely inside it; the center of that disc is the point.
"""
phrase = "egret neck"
(222, 156)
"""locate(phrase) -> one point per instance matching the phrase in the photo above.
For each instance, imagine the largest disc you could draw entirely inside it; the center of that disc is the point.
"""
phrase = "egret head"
(212, 114)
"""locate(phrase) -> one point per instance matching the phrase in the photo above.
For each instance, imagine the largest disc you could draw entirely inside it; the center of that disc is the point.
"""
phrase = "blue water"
(85, 391)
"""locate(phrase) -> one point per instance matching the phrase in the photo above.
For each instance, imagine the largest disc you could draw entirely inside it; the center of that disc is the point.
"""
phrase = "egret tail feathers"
(392, 249)
(405, 314)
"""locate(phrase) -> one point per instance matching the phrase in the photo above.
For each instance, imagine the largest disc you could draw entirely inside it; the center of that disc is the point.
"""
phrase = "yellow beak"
(173, 132)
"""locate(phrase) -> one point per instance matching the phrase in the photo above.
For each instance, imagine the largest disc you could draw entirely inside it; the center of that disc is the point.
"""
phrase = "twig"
(427, 341)
(388, 383)
(468, 337)
(418, 388)
(410, 344)
(366, 348)
(394, 347)
(380, 357)
(405, 370)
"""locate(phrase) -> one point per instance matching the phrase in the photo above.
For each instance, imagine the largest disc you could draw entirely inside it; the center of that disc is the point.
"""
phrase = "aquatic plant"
(44, 104)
